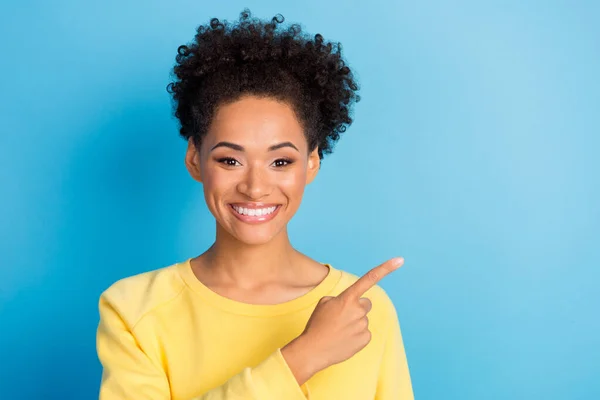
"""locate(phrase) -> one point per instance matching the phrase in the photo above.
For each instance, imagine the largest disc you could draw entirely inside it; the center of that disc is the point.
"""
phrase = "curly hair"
(225, 62)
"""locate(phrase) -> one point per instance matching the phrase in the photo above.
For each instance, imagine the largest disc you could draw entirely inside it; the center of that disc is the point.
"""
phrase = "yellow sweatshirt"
(164, 335)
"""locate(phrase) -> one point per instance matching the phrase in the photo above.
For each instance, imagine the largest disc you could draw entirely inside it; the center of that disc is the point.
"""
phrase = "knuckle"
(373, 275)
(347, 301)
(365, 323)
(359, 315)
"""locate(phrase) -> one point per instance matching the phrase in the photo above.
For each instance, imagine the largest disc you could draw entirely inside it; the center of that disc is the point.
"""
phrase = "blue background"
(474, 154)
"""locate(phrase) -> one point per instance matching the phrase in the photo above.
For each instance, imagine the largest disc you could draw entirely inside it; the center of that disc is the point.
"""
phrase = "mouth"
(255, 215)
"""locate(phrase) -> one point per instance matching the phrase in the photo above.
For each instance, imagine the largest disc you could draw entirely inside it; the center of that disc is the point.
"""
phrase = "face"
(253, 159)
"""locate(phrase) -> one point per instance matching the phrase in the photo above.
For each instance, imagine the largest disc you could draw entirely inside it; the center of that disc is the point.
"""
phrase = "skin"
(257, 264)
(338, 327)
(252, 263)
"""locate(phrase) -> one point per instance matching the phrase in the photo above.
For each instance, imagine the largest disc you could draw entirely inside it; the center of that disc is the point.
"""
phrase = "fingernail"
(398, 261)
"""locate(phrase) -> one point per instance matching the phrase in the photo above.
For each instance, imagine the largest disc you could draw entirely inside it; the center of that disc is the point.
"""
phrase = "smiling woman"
(254, 155)
(251, 317)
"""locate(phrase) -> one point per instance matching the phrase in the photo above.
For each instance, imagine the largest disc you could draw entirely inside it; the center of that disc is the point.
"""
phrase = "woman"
(251, 317)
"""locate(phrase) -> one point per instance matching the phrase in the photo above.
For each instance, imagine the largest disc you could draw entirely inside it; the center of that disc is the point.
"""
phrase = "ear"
(314, 163)
(192, 161)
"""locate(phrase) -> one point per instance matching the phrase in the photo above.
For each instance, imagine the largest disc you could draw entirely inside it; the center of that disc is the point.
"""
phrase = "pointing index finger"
(371, 278)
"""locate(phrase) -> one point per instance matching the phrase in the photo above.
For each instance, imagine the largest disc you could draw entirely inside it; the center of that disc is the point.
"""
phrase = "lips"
(254, 205)
(255, 219)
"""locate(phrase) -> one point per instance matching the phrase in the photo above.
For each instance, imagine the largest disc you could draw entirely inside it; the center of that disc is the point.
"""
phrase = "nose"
(255, 183)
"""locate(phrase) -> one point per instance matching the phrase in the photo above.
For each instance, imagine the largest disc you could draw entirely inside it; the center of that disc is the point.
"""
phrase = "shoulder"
(135, 296)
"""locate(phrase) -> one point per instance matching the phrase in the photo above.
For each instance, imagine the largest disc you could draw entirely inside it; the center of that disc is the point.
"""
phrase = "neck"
(241, 264)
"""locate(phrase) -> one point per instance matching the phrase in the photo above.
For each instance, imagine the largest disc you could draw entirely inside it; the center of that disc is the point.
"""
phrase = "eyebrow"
(240, 148)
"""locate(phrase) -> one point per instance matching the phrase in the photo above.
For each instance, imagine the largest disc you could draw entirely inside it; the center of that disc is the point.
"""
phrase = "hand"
(338, 326)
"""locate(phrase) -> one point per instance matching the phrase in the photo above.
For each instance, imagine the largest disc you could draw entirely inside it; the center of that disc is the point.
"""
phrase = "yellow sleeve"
(394, 381)
(129, 373)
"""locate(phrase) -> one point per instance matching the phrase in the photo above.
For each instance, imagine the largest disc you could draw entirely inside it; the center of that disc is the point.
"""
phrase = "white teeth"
(254, 212)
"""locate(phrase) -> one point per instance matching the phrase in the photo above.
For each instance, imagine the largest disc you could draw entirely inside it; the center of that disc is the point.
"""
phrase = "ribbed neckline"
(258, 310)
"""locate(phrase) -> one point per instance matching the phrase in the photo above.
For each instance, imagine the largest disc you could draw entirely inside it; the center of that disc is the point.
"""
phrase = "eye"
(287, 162)
(230, 162)
(227, 161)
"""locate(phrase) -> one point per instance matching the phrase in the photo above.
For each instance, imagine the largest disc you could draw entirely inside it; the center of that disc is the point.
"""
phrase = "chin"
(254, 235)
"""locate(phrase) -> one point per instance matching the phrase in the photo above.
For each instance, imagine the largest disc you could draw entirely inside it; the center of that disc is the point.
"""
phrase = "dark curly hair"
(253, 57)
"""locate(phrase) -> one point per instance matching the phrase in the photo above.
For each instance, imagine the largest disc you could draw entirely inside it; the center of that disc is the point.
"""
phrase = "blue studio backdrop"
(474, 155)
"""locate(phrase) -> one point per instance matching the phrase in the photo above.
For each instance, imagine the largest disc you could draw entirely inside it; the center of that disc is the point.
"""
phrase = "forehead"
(255, 122)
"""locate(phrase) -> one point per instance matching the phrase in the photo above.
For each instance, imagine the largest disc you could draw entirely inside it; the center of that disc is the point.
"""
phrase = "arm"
(394, 377)
(129, 373)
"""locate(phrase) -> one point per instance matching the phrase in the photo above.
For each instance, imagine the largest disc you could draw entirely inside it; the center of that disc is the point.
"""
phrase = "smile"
(254, 215)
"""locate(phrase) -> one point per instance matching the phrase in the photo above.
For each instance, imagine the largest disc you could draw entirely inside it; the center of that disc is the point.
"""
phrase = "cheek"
(293, 184)
(215, 184)
(217, 179)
